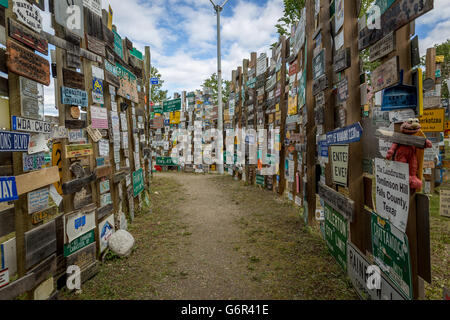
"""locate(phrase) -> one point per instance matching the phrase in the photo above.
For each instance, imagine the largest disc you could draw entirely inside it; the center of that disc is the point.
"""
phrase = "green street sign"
(4, 3)
(390, 249)
(172, 105)
(79, 243)
(158, 109)
(260, 180)
(166, 161)
(138, 182)
(136, 53)
(336, 235)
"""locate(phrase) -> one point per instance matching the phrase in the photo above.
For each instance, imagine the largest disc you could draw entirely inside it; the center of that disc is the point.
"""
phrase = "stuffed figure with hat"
(408, 154)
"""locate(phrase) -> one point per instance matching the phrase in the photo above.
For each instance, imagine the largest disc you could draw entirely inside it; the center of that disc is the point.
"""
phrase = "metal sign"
(75, 97)
(28, 125)
(78, 224)
(339, 162)
(8, 188)
(172, 105)
(390, 249)
(79, 243)
(28, 14)
(166, 161)
(336, 235)
(13, 141)
(138, 182)
(154, 81)
(433, 120)
(345, 135)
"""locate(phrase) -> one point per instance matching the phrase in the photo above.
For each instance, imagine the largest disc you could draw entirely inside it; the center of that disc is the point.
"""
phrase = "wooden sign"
(26, 63)
(38, 3)
(77, 185)
(83, 258)
(73, 79)
(95, 45)
(382, 48)
(7, 223)
(73, 96)
(385, 75)
(8, 188)
(28, 37)
(79, 150)
(444, 204)
(29, 125)
(433, 120)
(75, 124)
(95, 134)
(105, 211)
(337, 201)
(401, 138)
(320, 85)
(38, 179)
(103, 171)
(319, 65)
(95, 6)
(78, 224)
(342, 90)
(339, 164)
(415, 52)
(40, 243)
(342, 60)
(28, 15)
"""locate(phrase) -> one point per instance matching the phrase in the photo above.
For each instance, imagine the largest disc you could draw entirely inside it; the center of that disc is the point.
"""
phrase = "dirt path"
(209, 237)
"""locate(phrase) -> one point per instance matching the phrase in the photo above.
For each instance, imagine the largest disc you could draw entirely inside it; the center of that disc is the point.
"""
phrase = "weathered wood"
(75, 124)
(105, 211)
(320, 85)
(337, 201)
(28, 37)
(40, 243)
(45, 269)
(118, 177)
(385, 75)
(37, 179)
(342, 60)
(95, 45)
(83, 258)
(26, 63)
(103, 171)
(7, 222)
(382, 48)
(76, 185)
(401, 138)
(17, 288)
(73, 79)
(423, 237)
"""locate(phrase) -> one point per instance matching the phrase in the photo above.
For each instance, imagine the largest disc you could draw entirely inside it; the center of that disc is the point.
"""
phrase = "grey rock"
(121, 243)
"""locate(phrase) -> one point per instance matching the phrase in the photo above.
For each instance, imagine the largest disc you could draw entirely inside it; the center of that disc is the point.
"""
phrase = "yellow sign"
(440, 59)
(57, 162)
(110, 18)
(175, 117)
(433, 120)
(292, 105)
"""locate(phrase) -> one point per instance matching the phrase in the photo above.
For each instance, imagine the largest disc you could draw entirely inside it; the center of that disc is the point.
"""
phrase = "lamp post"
(218, 9)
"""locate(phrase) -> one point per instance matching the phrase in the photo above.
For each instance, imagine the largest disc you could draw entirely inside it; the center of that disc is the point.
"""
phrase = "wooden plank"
(95, 45)
(17, 288)
(83, 258)
(385, 75)
(382, 48)
(104, 211)
(28, 37)
(40, 243)
(73, 79)
(76, 185)
(75, 124)
(37, 179)
(337, 201)
(45, 269)
(320, 85)
(7, 222)
(342, 60)
(26, 63)
(103, 171)
(401, 138)
(423, 237)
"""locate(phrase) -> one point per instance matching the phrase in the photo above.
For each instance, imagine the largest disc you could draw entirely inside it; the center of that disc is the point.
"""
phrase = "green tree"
(291, 15)
(443, 49)
(212, 83)
(157, 95)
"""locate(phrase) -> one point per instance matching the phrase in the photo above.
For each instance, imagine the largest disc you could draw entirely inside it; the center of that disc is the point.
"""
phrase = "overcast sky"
(182, 35)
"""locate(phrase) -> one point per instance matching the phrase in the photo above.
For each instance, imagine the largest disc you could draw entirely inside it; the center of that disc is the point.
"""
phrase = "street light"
(218, 9)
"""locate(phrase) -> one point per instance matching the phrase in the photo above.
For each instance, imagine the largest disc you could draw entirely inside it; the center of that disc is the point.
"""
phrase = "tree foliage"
(443, 49)
(212, 83)
(157, 95)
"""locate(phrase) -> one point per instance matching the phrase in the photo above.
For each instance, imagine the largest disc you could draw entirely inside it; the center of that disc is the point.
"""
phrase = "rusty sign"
(28, 37)
(382, 48)
(385, 75)
(95, 45)
(73, 79)
(26, 63)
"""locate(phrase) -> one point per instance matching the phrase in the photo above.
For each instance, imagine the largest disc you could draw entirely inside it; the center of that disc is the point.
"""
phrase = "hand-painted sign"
(357, 265)
(78, 224)
(38, 200)
(433, 120)
(75, 97)
(28, 37)
(342, 60)
(172, 105)
(70, 15)
(28, 125)
(383, 47)
(73, 79)
(26, 63)
(99, 118)
(339, 162)
(138, 182)
(385, 75)
(390, 249)
(392, 197)
(345, 135)
(78, 150)
(128, 84)
(28, 14)
(13, 141)
(337, 201)
(8, 189)
(79, 243)
(336, 235)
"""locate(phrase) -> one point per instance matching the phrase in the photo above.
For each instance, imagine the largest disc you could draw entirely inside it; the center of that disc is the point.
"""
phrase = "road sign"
(154, 81)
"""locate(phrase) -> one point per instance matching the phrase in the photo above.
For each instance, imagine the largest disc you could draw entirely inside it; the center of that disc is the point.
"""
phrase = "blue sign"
(323, 149)
(97, 86)
(74, 97)
(13, 141)
(346, 135)
(80, 222)
(8, 189)
(166, 122)
(154, 81)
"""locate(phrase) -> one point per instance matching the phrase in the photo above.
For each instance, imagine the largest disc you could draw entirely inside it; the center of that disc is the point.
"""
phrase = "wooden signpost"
(73, 79)
(385, 75)
(26, 36)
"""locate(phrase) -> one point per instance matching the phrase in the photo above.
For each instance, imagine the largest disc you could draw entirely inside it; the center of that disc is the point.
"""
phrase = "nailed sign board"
(28, 14)
(357, 265)
(342, 60)
(339, 162)
(70, 15)
(95, 45)
(31, 99)
(385, 75)
(79, 243)
(128, 84)
(172, 105)
(79, 150)
(28, 37)
(84, 257)
(390, 249)
(383, 47)
(73, 79)
(36, 161)
(433, 120)
(77, 135)
(337, 201)
(28, 125)
(40, 243)
(38, 200)
(75, 97)
(8, 188)
(342, 90)
(393, 192)
(99, 118)
(94, 5)
(319, 65)
(26, 63)
(78, 224)
(336, 235)
(444, 203)
(13, 141)
(138, 182)
(105, 230)
(345, 135)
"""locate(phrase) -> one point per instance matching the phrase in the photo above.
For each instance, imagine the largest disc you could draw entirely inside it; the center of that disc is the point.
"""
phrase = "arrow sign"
(345, 135)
